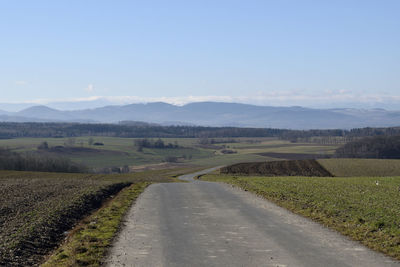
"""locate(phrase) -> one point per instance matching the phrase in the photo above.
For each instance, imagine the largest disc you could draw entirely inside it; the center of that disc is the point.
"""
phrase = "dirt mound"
(279, 168)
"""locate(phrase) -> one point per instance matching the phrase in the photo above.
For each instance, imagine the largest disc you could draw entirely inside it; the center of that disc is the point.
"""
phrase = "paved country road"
(211, 224)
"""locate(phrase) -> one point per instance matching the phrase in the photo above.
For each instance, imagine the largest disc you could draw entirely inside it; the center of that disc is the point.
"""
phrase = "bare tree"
(90, 141)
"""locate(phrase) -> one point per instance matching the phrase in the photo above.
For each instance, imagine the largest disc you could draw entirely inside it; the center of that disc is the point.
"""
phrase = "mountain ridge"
(215, 114)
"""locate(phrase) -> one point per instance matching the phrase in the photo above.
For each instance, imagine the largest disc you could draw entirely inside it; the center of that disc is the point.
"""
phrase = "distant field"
(362, 167)
(354, 206)
(37, 208)
(115, 151)
(121, 151)
(280, 146)
(217, 160)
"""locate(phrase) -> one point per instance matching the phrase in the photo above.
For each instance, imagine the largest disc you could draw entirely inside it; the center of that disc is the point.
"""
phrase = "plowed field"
(278, 168)
(37, 209)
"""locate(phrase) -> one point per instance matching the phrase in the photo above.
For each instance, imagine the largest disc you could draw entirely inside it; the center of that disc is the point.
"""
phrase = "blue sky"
(264, 52)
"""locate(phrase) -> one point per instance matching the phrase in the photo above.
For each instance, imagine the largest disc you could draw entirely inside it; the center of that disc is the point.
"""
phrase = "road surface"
(211, 224)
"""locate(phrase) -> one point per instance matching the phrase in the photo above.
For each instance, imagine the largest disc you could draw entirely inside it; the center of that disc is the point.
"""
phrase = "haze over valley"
(214, 114)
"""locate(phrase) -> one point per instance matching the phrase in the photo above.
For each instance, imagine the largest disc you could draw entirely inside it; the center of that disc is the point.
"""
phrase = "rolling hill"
(215, 114)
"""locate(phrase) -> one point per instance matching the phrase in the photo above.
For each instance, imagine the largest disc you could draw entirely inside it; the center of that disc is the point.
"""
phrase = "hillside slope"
(216, 114)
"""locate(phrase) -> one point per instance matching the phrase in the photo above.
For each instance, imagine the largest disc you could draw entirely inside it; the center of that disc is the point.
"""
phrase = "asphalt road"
(212, 224)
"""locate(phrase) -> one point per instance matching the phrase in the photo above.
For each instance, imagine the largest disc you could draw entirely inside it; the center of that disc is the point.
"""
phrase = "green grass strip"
(88, 243)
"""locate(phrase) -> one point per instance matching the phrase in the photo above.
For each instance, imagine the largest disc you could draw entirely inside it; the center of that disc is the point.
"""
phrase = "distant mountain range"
(214, 114)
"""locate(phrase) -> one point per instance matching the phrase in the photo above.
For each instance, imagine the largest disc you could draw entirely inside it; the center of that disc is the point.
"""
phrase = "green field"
(362, 167)
(114, 152)
(121, 151)
(285, 147)
(354, 206)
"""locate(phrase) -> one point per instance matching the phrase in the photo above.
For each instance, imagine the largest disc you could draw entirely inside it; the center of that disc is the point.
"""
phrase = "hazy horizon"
(99, 102)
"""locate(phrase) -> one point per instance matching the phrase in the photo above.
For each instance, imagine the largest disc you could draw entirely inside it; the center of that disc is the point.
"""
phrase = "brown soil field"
(278, 168)
(37, 209)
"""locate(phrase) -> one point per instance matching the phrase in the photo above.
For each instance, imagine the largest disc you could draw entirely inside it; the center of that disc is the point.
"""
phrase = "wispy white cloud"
(267, 98)
(343, 98)
(21, 83)
(89, 88)
(328, 98)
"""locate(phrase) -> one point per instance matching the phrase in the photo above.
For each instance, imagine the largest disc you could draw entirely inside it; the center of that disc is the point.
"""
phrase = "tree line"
(10, 160)
(384, 147)
(54, 130)
(150, 143)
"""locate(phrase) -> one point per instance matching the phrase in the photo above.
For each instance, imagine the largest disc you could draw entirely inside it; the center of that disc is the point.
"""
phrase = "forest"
(383, 147)
(54, 130)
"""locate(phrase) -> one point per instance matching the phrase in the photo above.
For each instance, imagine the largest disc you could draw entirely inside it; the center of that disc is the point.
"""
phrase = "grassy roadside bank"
(354, 206)
(88, 242)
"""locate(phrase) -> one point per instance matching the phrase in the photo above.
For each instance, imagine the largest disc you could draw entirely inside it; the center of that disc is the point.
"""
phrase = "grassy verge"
(88, 243)
(354, 206)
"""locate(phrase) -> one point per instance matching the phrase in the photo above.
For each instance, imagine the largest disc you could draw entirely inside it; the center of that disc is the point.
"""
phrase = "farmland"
(113, 151)
(309, 167)
(37, 208)
(116, 151)
(320, 167)
(362, 167)
(359, 207)
(89, 240)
